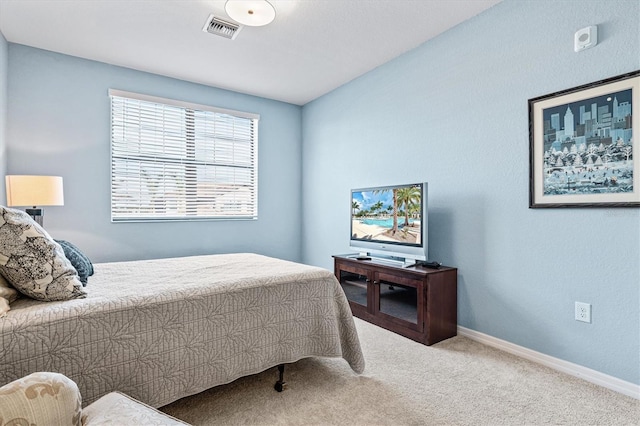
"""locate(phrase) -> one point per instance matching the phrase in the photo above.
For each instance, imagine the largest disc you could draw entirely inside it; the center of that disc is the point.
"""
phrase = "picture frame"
(582, 146)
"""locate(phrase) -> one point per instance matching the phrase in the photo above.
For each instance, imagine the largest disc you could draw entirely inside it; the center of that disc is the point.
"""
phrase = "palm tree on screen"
(377, 207)
(410, 197)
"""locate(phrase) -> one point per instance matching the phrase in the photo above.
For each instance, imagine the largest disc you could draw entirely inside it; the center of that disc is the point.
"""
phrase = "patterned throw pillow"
(83, 265)
(32, 262)
(7, 295)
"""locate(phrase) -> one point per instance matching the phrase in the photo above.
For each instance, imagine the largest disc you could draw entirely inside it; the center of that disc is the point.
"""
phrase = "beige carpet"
(455, 382)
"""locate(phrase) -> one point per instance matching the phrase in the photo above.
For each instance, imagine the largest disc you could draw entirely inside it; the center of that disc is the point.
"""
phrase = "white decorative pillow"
(7, 295)
(32, 262)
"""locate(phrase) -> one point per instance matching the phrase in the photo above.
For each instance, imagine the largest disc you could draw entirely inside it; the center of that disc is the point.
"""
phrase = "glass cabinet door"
(401, 299)
(354, 286)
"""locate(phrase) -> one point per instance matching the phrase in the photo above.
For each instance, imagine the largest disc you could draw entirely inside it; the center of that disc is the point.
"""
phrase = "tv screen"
(390, 220)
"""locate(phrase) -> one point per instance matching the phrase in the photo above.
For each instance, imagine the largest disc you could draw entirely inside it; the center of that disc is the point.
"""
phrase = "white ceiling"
(311, 48)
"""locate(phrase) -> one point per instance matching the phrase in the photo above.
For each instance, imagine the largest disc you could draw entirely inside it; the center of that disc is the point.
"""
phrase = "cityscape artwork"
(582, 146)
(588, 146)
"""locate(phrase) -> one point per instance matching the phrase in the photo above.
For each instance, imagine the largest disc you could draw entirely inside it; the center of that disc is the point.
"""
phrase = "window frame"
(189, 147)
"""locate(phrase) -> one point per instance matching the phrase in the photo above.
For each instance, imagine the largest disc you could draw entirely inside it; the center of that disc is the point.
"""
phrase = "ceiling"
(311, 48)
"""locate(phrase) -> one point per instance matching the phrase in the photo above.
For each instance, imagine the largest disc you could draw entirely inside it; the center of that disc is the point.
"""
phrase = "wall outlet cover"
(583, 312)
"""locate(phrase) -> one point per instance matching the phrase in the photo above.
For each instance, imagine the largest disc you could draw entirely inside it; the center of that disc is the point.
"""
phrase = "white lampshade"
(34, 191)
(253, 13)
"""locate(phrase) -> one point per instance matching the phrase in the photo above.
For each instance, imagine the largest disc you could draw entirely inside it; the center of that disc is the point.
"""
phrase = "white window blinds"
(172, 160)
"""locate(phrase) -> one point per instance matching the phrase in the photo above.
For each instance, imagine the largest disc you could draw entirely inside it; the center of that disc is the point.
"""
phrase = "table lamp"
(34, 191)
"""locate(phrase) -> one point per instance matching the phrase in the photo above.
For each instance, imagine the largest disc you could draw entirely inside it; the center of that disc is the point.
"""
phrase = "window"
(172, 160)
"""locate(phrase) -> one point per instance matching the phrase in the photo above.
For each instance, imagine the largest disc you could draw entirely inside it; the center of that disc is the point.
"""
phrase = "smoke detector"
(221, 27)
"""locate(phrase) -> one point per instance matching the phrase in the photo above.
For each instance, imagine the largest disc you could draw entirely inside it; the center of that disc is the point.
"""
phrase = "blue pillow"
(79, 260)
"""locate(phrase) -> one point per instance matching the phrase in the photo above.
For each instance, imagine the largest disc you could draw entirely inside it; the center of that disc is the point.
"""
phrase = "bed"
(163, 329)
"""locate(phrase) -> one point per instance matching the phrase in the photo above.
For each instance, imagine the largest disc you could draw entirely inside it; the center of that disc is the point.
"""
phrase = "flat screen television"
(390, 221)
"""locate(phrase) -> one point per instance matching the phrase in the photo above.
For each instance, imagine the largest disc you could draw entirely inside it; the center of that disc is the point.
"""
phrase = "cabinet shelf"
(417, 302)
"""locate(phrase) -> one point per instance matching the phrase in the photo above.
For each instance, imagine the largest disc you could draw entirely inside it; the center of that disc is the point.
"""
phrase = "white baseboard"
(593, 376)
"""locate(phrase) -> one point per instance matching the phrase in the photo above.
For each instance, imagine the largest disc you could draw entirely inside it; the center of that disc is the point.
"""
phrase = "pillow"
(32, 262)
(7, 295)
(80, 262)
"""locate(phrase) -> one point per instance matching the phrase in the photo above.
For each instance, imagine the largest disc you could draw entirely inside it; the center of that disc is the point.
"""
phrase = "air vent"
(222, 28)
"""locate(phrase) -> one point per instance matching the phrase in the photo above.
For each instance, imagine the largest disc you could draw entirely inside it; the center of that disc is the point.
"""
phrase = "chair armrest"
(116, 408)
(41, 398)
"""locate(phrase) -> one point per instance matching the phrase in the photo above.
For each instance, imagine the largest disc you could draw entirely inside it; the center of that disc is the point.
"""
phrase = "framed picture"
(582, 145)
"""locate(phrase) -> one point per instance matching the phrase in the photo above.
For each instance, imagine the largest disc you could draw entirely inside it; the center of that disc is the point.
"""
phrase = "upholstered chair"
(47, 398)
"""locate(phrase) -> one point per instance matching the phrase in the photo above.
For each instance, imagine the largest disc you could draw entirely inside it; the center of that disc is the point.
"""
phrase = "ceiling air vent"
(222, 28)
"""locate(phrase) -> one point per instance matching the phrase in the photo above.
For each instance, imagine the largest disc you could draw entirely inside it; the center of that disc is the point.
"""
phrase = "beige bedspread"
(163, 329)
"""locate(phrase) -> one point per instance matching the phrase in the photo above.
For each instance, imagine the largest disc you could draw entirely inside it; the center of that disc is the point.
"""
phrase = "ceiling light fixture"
(252, 13)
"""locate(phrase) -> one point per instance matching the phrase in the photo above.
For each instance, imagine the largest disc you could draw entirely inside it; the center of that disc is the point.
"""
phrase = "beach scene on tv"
(387, 214)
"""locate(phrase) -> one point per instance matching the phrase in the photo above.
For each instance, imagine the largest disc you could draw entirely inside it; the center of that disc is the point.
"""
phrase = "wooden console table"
(417, 302)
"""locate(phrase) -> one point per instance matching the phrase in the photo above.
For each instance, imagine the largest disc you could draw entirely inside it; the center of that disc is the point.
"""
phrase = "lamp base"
(36, 214)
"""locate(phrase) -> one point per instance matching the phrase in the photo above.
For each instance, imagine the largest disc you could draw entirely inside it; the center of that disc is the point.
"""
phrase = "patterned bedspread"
(163, 329)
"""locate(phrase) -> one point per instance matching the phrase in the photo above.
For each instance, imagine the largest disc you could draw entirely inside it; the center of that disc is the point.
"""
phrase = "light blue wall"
(453, 112)
(4, 61)
(58, 124)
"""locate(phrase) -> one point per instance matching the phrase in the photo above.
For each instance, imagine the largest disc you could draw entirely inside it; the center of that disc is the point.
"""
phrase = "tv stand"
(415, 301)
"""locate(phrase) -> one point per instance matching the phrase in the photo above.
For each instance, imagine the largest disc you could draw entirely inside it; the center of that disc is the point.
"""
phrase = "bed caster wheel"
(280, 384)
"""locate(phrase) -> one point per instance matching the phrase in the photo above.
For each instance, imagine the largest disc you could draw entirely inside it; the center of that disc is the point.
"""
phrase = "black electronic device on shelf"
(429, 264)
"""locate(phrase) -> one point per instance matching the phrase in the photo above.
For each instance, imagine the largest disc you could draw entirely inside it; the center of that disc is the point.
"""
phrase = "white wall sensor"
(585, 38)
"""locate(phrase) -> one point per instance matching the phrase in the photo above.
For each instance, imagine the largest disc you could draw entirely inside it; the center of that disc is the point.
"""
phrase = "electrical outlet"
(583, 312)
